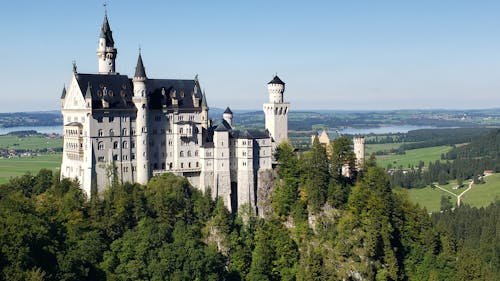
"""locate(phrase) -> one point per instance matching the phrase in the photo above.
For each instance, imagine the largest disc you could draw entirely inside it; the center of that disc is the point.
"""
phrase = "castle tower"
(276, 111)
(204, 111)
(140, 100)
(359, 151)
(228, 116)
(106, 51)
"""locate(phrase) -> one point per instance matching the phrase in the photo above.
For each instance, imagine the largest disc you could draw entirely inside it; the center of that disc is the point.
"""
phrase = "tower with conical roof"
(140, 100)
(276, 111)
(106, 51)
(228, 116)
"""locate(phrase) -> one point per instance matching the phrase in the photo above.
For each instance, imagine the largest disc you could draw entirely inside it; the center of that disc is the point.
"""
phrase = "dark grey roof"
(161, 92)
(223, 127)
(250, 134)
(276, 80)
(114, 89)
(228, 110)
(63, 95)
(107, 33)
(139, 69)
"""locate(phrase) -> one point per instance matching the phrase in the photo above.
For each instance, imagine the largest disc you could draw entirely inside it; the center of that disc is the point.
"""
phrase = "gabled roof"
(114, 89)
(139, 69)
(162, 91)
(276, 80)
(228, 111)
(250, 134)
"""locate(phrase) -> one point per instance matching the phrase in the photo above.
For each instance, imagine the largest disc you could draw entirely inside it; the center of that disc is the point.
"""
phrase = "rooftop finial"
(74, 66)
(105, 5)
(140, 49)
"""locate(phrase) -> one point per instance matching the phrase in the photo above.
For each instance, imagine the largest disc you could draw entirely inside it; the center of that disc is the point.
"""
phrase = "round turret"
(276, 88)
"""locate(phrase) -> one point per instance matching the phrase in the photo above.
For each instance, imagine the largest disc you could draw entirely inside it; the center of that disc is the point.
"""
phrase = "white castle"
(135, 128)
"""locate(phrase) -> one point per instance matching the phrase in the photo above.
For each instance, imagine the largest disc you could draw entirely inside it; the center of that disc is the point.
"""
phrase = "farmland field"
(31, 142)
(413, 156)
(482, 195)
(12, 167)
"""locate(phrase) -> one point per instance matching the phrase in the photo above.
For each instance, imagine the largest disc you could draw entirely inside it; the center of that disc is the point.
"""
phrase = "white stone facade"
(135, 128)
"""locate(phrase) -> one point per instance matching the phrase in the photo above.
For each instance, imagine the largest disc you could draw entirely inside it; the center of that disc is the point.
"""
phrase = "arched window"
(181, 131)
(115, 145)
(99, 133)
(124, 131)
(100, 146)
(189, 153)
(111, 132)
(182, 154)
(124, 144)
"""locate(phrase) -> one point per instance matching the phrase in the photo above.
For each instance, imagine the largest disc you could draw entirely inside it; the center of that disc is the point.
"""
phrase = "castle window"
(124, 131)
(189, 153)
(196, 153)
(100, 146)
(181, 131)
(111, 119)
(115, 145)
(133, 168)
(125, 169)
(99, 119)
(182, 165)
(124, 157)
(163, 165)
(125, 144)
(244, 163)
(155, 131)
(158, 118)
(189, 164)
(115, 157)
(132, 156)
(170, 165)
(132, 144)
(111, 132)
(100, 159)
(181, 154)
(244, 153)
(197, 164)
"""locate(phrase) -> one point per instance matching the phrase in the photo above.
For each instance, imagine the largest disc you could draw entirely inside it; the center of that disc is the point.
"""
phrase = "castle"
(135, 128)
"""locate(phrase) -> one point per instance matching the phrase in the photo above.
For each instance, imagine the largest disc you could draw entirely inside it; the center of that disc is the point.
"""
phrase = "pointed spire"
(276, 80)
(228, 111)
(204, 101)
(139, 69)
(74, 67)
(63, 95)
(88, 93)
(106, 32)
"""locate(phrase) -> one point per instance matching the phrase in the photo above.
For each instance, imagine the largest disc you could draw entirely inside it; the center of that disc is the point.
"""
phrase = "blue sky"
(366, 55)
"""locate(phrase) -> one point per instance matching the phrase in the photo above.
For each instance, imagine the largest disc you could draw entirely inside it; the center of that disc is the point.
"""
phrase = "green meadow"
(413, 156)
(31, 142)
(17, 166)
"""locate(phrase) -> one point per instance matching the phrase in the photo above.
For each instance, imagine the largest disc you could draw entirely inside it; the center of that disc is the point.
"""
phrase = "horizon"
(333, 56)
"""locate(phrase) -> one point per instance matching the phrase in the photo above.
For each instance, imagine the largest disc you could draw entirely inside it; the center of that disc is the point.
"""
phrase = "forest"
(321, 226)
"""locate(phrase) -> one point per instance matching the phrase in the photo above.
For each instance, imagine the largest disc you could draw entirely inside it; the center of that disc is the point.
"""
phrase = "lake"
(40, 129)
(381, 130)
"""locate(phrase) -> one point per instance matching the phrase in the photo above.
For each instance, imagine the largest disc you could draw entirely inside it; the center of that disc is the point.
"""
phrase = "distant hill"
(39, 118)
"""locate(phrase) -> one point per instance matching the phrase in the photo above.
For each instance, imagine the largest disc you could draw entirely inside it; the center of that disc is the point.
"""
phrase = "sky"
(337, 54)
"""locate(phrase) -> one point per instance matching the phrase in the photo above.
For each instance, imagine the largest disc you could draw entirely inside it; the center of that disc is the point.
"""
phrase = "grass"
(31, 142)
(12, 167)
(412, 157)
(372, 148)
(429, 197)
(482, 195)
